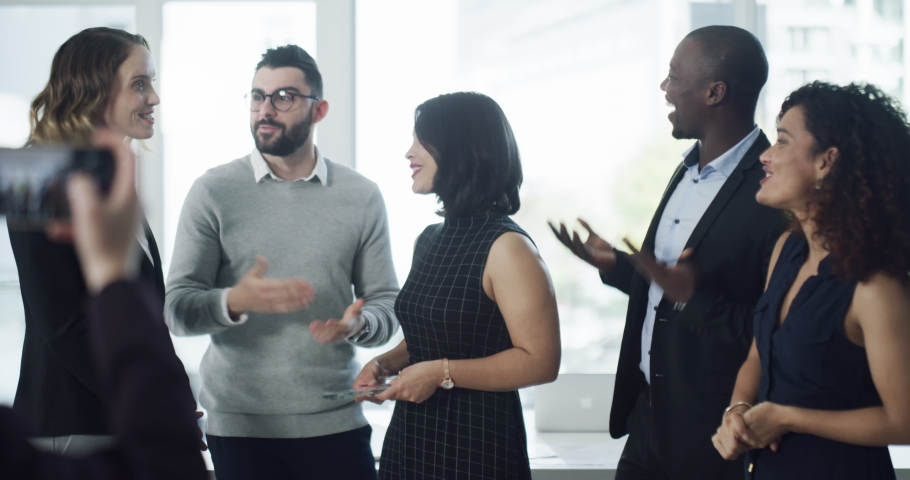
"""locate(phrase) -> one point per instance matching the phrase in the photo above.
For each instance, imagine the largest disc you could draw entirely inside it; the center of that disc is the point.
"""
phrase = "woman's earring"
(818, 184)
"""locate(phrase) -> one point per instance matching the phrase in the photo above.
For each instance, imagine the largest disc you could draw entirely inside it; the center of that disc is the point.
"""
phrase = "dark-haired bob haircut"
(478, 165)
(861, 209)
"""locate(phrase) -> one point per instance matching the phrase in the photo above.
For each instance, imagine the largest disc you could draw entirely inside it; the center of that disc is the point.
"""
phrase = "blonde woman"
(99, 77)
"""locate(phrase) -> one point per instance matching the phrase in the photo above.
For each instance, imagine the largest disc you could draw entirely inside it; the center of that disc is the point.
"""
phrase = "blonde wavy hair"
(83, 74)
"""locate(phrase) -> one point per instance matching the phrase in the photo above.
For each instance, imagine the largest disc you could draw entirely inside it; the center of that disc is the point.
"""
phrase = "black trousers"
(341, 456)
(640, 459)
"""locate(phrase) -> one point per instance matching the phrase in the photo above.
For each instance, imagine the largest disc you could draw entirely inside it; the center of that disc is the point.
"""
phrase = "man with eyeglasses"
(277, 344)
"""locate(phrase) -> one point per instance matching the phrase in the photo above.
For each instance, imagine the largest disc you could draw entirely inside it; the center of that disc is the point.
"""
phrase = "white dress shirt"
(684, 209)
(261, 169)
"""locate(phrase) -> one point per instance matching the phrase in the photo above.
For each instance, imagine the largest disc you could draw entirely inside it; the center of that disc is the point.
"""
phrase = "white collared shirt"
(140, 233)
(261, 169)
(144, 244)
(684, 209)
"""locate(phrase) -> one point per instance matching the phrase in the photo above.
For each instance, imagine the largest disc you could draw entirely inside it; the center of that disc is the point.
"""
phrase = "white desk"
(571, 456)
(579, 456)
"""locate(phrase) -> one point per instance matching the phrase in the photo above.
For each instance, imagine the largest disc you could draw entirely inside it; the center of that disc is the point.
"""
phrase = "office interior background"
(578, 79)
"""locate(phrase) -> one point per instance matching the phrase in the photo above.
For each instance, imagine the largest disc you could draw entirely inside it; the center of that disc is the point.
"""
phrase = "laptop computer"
(575, 402)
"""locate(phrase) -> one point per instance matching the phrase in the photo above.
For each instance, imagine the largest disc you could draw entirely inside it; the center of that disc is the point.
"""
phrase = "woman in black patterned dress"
(477, 310)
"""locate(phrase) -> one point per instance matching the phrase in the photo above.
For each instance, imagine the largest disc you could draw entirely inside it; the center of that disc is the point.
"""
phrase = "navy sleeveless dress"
(809, 362)
(444, 313)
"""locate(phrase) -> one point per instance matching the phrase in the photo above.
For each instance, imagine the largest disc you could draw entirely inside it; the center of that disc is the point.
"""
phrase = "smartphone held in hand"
(352, 394)
(33, 181)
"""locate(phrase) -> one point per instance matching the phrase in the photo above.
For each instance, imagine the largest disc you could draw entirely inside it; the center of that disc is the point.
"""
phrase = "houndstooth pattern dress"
(444, 313)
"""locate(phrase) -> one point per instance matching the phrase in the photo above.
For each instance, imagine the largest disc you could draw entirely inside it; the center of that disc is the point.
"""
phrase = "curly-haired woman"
(100, 77)
(830, 362)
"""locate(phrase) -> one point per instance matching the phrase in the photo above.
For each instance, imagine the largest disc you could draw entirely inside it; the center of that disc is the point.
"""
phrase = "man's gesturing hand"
(595, 250)
(334, 331)
(679, 282)
(255, 293)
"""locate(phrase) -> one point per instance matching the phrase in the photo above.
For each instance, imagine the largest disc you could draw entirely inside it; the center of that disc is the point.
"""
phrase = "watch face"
(447, 384)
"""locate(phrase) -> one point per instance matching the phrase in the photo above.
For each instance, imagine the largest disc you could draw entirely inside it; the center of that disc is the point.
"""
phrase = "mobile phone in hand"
(33, 182)
(352, 394)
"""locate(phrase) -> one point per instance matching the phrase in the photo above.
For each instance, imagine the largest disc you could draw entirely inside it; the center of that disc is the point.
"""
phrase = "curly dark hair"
(862, 208)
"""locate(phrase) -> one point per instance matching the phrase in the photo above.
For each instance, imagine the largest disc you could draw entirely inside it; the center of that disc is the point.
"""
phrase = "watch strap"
(447, 382)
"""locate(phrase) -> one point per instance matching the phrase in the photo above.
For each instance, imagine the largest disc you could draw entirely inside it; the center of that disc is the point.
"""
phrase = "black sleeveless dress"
(809, 362)
(444, 313)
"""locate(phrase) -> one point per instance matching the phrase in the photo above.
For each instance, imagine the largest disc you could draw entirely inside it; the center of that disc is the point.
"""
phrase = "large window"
(204, 120)
(834, 41)
(579, 82)
(578, 79)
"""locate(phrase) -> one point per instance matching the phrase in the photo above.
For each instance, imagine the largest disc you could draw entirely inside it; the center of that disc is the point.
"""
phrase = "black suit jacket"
(58, 392)
(696, 352)
(151, 408)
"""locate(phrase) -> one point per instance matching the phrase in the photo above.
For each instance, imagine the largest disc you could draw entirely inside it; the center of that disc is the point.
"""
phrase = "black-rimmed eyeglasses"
(282, 100)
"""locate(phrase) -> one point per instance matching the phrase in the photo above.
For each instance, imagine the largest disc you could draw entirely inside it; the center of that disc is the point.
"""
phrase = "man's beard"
(680, 134)
(285, 141)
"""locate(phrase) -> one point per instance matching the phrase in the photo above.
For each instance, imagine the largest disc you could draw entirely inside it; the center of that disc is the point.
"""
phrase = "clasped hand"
(415, 383)
(759, 427)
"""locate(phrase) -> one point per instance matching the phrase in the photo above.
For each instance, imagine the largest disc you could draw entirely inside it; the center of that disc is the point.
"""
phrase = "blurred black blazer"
(150, 403)
(58, 392)
(696, 352)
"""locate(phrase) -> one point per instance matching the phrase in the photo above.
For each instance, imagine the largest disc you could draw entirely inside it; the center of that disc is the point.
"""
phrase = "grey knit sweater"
(265, 376)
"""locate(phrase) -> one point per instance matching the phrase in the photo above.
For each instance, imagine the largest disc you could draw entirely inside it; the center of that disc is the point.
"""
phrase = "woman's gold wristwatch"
(447, 382)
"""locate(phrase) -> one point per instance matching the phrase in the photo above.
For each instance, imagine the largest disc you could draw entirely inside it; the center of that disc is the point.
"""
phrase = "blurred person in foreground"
(830, 362)
(478, 309)
(100, 77)
(139, 376)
